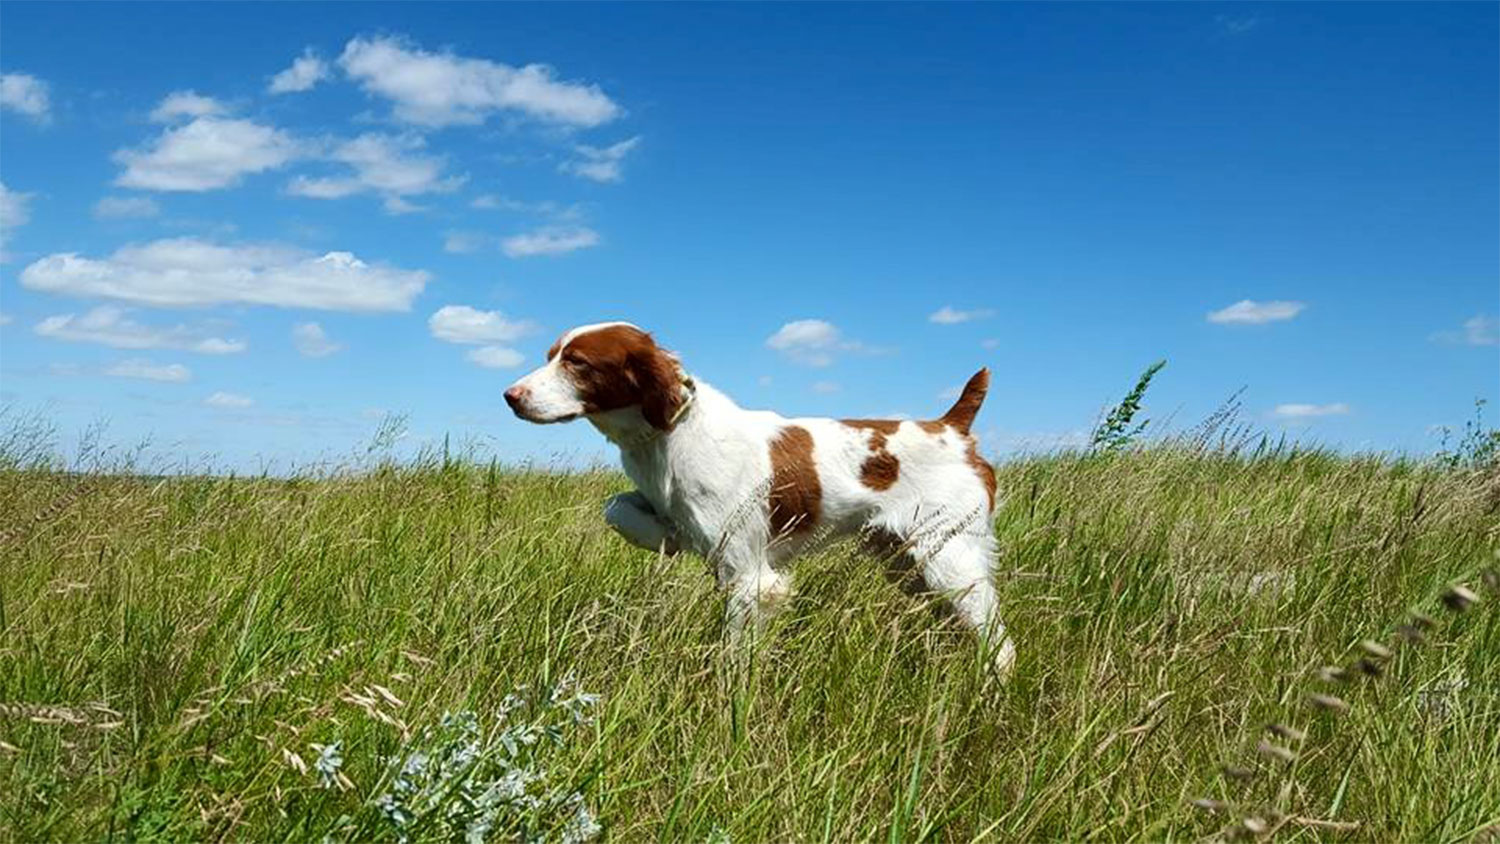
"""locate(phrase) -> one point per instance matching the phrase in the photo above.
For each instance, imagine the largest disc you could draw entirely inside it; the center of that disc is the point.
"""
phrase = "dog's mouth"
(522, 414)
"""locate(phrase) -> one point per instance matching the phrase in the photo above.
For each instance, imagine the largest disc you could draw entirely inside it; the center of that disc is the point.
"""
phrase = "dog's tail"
(961, 414)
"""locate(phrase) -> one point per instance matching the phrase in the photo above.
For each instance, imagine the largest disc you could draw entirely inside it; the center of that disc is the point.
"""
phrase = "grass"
(257, 659)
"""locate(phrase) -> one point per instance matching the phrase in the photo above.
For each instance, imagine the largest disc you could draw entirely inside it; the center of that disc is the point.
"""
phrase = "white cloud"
(463, 243)
(947, 315)
(312, 341)
(306, 71)
(14, 213)
(463, 324)
(990, 343)
(396, 205)
(825, 387)
(1309, 411)
(601, 164)
(1248, 312)
(145, 369)
(230, 401)
(125, 208)
(179, 104)
(496, 357)
(388, 165)
(812, 342)
(26, 94)
(111, 326)
(443, 89)
(551, 240)
(1478, 330)
(208, 153)
(187, 271)
(6, 319)
(951, 393)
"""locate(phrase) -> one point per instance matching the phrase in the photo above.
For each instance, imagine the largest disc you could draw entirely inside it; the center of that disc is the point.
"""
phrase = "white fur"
(704, 486)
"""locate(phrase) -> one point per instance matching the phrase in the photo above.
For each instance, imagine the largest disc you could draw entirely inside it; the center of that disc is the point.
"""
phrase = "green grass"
(193, 634)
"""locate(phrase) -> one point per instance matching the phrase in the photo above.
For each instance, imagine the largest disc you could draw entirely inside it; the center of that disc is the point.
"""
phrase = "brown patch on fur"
(796, 497)
(883, 426)
(961, 414)
(933, 426)
(881, 469)
(621, 366)
(983, 469)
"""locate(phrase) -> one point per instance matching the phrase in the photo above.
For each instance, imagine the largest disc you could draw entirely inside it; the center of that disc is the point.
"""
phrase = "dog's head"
(597, 369)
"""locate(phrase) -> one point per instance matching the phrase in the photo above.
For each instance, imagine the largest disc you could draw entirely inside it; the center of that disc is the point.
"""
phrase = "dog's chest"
(696, 499)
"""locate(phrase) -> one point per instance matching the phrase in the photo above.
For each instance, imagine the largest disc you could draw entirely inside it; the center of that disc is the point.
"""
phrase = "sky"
(247, 234)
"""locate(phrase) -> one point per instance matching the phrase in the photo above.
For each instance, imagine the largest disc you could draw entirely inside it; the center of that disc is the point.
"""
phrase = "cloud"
(188, 271)
(312, 341)
(443, 89)
(812, 342)
(208, 153)
(463, 243)
(26, 94)
(1309, 411)
(306, 71)
(1478, 330)
(109, 325)
(388, 165)
(6, 319)
(496, 357)
(990, 343)
(1237, 24)
(463, 324)
(600, 164)
(825, 387)
(145, 369)
(179, 104)
(125, 208)
(228, 401)
(551, 240)
(947, 315)
(1249, 312)
(14, 213)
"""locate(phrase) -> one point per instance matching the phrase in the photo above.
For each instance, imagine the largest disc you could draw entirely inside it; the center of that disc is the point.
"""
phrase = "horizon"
(317, 217)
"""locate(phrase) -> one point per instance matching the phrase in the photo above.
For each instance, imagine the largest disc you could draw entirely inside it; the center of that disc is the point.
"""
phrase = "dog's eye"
(572, 358)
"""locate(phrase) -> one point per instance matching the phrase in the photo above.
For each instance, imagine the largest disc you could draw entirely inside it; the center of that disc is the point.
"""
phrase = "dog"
(749, 490)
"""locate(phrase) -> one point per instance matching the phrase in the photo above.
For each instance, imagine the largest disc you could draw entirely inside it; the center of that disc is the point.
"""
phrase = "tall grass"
(198, 658)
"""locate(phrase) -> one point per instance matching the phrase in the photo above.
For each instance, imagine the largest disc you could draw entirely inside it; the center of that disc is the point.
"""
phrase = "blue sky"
(246, 232)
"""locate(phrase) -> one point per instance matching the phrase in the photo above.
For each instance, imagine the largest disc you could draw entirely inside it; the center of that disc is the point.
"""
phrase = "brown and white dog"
(749, 489)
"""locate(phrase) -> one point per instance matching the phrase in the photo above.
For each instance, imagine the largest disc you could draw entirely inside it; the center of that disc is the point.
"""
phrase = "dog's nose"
(515, 395)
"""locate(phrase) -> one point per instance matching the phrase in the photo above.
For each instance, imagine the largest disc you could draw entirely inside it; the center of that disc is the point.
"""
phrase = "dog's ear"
(659, 380)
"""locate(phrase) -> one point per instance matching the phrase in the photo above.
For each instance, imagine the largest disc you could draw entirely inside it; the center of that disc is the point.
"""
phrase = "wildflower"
(330, 759)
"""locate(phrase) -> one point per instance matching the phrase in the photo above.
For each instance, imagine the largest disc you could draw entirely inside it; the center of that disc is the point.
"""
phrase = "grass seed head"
(1328, 703)
(1285, 732)
(1375, 649)
(1238, 773)
(1275, 751)
(1459, 598)
(1369, 667)
(1208, 804)
(1333, 674)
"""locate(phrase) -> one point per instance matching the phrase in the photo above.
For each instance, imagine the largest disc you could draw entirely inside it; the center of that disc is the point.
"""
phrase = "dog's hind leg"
(961, 568)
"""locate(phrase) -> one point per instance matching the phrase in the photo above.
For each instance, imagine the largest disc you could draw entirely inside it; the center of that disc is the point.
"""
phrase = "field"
(444, 650)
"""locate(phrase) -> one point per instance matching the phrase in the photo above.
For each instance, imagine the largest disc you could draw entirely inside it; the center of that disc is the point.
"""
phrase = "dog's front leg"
(633, 518)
